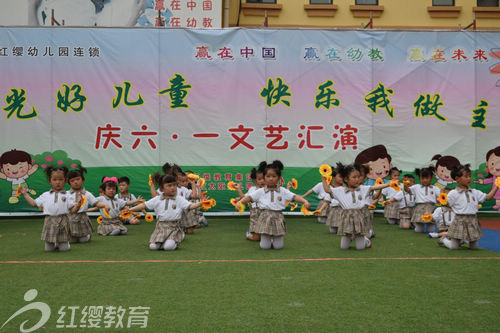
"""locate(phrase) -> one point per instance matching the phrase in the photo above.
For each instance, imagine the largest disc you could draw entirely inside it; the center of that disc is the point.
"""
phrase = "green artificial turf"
(362, 295)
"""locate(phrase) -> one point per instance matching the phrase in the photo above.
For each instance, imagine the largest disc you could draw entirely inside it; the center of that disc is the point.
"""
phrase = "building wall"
(394, 14)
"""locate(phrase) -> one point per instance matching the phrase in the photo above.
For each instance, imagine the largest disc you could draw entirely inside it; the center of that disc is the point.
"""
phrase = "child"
(257, 176)
(112, 226)
(168, 207)
(406, 202)
(56, 207)
(391, 210)
(443, 216)
(370, 199)
(425, 198)
(464, 202)
(318, 189)
(271, 199)
(334, 211)
(123, 187)
(352, 198)
(189, 219)
(80, 226)
(197, 212)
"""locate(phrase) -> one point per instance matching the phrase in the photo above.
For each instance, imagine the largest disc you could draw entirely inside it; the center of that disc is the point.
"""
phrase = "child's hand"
(317, 212)
(289, 185)
(79, 199)
(23, 190)
(106, 206)
(237, 206)
(307, 204)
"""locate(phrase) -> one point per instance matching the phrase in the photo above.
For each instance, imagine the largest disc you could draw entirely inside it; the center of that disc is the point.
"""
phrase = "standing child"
(124, 194)
(168, 207)
(111, 224)
(425, 198)
(272, 201)
(80, 226)
(391, 210)
(56, 207)
(464, 201)
(352, 199)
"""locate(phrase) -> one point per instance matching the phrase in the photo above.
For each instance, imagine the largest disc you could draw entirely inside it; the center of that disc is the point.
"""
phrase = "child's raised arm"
(326, 186)
(27, 197)
(379, 186)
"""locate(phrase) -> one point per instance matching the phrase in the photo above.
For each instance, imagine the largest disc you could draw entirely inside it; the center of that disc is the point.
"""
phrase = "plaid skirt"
(422, 209)
(334, 216)
(369, 217)
(108, 225)
(56, 229)
(465, 227)
(391, 211)
(324, 213)
(80, 225)
(189, 219)
(254, 219)
(167, 230)
(405, 214)
(271, 222)
(353, 223)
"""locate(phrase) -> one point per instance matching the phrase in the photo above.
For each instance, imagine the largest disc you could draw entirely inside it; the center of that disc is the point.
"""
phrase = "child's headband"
(110, 179)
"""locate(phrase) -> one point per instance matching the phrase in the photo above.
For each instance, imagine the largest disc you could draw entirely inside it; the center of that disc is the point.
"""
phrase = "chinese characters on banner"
(194, 14)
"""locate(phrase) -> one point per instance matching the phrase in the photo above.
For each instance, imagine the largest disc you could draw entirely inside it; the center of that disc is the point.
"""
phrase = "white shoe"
(368, 243)
(432, 235)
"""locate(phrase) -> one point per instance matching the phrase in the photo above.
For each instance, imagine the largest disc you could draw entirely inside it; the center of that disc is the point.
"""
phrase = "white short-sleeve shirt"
(251, 190)
(351, 198)
(91, 200)
(425, 194)
(168, 208)
(401, 196)
(115, 205)
(53, 203)
(333, 202)
(129, 197)
(320, 191)
(184, 192)
(272, 199)
(389, 192)
(465, 202)
(443, 217)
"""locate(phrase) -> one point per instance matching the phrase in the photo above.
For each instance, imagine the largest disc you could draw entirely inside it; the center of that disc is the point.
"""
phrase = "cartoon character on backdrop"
(378, 160)
(493, 169)
(442, 169)
(16, 167)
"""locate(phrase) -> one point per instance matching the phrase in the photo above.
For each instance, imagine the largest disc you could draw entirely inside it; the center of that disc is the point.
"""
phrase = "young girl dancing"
(189, 219)
(352, 200)
(406, 202)
(80, 226)
(391, 210)
(425, 198)
(271, 199)
(323, 202)
(334, 208)
(56, 207)
(111, 224)
(168, 208)
(464, 202)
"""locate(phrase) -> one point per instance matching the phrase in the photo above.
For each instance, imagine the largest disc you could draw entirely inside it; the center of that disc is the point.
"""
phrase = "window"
(366, 2)
(487, 3)
(320, 2)
(443, 2)
(261, 1)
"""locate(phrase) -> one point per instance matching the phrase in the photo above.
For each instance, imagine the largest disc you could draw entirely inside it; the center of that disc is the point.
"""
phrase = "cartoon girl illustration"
(442, 169)
(378, 160)
(16, 167)
(493, 168)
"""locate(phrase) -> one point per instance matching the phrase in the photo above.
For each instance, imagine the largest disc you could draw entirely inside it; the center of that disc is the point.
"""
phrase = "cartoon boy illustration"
(493, 168)
(378, 160)
(16, 167)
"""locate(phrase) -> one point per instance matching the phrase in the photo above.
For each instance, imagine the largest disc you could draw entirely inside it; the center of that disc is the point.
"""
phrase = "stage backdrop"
(122, 102)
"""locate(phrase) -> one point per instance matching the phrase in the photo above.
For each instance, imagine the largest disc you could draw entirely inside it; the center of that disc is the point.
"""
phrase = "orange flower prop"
(233, 201)
(329, 179)
(295, 184)
(149, 217)
(305, 211)
(201, 182)
(84, 200)
(318, 211)
(426, 217)
(395, 185)
(379, 181)
(442, 199)
(18, 192)
(232, 186)
(207, 204)
(479, 206)
(325, 170)
(106, 214)
(497, 182)
(126, 214)
(406, 182)
(99, 219)
(372, 207)
(385, 203)
(193, 176)
(150, 182)
(293, 205)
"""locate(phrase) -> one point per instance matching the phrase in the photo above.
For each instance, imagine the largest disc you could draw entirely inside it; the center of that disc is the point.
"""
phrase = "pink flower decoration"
(73, 165)
(49, 158)
(33, 161)
(60, 162)
(480, 175)
(43, 166)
